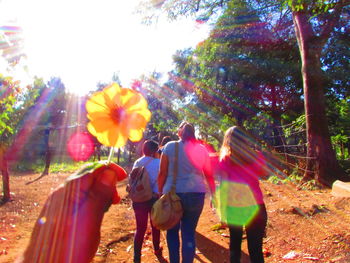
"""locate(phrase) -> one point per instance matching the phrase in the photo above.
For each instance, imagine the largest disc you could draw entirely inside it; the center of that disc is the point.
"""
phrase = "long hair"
(186, 131)
(238, 146)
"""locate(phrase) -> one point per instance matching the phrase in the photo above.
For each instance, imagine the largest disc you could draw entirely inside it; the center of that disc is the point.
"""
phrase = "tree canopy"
(316, 25)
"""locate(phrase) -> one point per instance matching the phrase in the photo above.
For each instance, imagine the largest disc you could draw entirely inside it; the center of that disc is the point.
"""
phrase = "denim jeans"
(255, 232)
(142, 210)
(192, 204)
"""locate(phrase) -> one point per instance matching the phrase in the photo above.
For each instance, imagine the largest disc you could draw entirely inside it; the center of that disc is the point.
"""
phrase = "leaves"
(9, 92)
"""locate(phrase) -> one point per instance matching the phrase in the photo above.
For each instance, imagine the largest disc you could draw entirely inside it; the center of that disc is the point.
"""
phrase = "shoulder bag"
(167, 210)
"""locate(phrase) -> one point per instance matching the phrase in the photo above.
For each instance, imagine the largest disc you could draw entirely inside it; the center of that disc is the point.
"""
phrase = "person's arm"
(163, 172)
(208, 173)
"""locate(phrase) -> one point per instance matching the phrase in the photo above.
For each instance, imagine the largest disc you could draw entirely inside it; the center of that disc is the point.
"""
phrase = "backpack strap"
(173, 187)
(144, 166)
(150, 160)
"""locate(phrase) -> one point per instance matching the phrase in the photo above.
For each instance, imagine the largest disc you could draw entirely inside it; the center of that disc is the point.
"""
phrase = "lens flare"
(197, 154)
(80, 146)
(235, 203)
(42, 220)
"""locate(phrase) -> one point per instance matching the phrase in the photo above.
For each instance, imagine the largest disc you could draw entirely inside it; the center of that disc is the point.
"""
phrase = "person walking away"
(164, 141)
(142, 210)
(239, 199)
(193, 161)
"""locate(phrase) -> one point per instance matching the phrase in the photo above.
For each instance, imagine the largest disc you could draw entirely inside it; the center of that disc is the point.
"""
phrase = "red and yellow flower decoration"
(117, 114)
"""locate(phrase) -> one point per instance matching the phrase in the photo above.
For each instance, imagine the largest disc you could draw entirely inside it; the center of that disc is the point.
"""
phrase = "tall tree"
(312, 37)
(55, 111)
(314, 22)
(48, 114)
(245, 67)
(14, 102)
(159, 98)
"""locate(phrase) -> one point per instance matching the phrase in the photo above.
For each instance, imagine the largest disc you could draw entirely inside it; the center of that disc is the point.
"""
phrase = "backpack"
(139, 185)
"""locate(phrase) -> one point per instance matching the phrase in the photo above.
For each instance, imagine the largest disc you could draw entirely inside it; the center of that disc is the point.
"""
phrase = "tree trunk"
(48, 152)
(118, 156)
(98, 151)
(48, 155)
(322, 164)
(5, 178)
(278, 136)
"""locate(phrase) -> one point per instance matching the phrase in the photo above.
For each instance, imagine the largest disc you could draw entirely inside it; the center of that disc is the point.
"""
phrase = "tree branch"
(330, 24)
(198, 4)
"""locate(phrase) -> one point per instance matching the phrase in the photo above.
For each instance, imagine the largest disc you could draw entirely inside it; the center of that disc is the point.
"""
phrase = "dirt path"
(306, 226)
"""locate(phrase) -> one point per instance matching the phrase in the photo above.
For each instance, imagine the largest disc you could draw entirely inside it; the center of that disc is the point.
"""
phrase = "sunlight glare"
(85, 42)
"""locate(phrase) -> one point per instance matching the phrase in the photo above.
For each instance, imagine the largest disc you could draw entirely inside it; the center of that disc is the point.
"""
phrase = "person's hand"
(68, 227)
(213, 202)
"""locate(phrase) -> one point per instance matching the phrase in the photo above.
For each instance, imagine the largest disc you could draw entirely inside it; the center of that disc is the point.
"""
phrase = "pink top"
(247, 174)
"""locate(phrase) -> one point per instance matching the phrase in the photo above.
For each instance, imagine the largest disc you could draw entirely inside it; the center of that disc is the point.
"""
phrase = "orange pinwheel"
(117, 114)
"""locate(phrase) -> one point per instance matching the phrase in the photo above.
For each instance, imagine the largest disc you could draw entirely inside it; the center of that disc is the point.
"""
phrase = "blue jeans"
(142, 210)
(255, 233)
(192, 204)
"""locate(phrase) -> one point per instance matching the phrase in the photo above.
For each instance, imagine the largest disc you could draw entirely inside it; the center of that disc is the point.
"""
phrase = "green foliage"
(164, 124)
(275, 180)
(242, 71)
(60, 165)
(310, 185)
(337, 139)
(42, 107)
(297, 125)
(316, 7)
(9, 92)
(259, 126)
(293, 178)
(204, 10)
(160, 102)
(339, 118)
(55, 167)
(14, 102)
(236, 69)
(345, 164)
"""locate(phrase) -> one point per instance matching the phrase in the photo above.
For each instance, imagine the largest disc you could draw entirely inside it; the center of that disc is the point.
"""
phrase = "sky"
(85, 41)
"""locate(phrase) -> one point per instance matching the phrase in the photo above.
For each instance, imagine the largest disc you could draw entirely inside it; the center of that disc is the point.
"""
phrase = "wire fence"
(290, 146)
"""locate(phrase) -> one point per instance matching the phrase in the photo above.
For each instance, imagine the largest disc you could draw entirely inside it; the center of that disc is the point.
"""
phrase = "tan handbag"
(167, 210)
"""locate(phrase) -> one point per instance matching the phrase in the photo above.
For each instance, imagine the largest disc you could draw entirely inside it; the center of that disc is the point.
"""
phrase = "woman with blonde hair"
(239, 197)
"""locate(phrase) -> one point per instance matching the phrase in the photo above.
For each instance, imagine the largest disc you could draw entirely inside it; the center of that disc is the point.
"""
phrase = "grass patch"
(60, 167)
(294, 178)
(63, 165)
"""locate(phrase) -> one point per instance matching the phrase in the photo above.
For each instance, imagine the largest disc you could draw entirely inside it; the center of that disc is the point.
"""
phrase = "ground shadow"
(4, 202)
(125, 238)
(213, 251)
(121, 239)
(37, 179)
